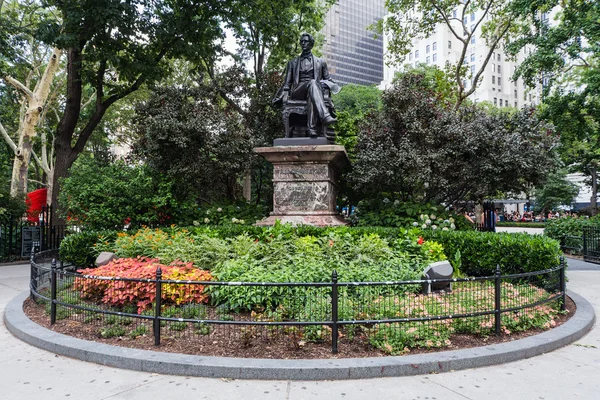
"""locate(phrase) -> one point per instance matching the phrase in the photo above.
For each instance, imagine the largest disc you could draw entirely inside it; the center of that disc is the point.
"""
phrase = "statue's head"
(306, 41)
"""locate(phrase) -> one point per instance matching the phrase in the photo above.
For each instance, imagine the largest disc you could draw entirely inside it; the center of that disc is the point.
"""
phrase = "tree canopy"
(421, 149)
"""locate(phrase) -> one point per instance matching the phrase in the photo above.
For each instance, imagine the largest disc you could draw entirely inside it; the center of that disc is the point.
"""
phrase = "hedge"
(514, 252)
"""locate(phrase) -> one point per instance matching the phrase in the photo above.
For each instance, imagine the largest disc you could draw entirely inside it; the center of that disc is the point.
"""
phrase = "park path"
(569, 373)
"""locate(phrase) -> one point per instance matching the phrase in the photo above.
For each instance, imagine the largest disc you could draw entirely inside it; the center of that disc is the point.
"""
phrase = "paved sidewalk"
(571, 372)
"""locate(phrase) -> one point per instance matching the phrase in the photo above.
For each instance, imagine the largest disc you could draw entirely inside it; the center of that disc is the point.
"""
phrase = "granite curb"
(325, 369)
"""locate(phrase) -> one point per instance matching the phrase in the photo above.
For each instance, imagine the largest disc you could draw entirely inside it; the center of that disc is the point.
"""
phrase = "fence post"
(563, 283)
(584, 238)
(53, 292)
(334, 312)
(33, 278)
(498, 289)
(157, 307)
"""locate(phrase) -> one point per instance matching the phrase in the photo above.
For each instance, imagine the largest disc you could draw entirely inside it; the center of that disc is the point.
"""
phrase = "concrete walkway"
(571, 372)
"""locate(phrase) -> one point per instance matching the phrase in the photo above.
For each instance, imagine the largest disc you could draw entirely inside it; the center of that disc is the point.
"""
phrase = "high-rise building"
(352, 53)
(495, 85)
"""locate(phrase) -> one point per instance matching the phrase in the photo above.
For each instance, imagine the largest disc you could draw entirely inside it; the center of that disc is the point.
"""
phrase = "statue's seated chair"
(295, 114)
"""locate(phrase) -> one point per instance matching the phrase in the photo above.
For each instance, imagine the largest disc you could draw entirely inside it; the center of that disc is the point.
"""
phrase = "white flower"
(196, 223)
(446, 221)
(424, 226)
(451, 220)
(386, 200)
(432, 216)
(234, 220)
(242, 221)
(219, 209)
(428, 222)
(445, 228)
(434, 227)
(397, 203)
(452, 226)
(415, 223)
(206, 220)
(207, 212)
(423, 217)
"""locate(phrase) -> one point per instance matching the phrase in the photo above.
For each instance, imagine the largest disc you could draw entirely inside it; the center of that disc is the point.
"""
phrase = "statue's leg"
(311, 118)
(315, 93)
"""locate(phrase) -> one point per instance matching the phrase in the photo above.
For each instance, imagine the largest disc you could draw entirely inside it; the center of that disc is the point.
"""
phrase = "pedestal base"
(305, 184)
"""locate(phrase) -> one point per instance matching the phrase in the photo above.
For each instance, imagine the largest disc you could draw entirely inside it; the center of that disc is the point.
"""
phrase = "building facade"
(442, 47)
(352, 53)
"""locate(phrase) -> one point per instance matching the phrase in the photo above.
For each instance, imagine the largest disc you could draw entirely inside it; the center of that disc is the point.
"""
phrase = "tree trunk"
(65, 157)
(35, 103)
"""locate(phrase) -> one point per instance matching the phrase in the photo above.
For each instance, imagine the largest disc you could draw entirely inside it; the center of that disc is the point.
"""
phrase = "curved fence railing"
(208, 312)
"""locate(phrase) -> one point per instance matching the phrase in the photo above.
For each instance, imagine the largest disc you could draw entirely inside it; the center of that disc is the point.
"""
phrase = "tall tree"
(30, 68)
(116, 47)
(410, 19)
(565, 61)
(420, 149)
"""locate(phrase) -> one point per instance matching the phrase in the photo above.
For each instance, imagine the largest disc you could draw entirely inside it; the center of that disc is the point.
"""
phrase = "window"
(472, 39)
(472, 27)
(499, 81)
(472, 57)
(495, 101)
(515, 104)
(498, 69)
(465, 20)
(499, 57)
(493, 67)
(493, 80)
(472, 17)
(427, 59)
(434, 46)
(410, 56)
(505, 103)
(516, 95)
(472, 69)
(449, 44)
(454, 14)
(434, 57)
(465, 60)
(427, 49)
(416, 54)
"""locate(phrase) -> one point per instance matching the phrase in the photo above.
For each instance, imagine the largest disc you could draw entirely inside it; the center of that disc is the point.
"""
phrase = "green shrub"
(482, 251)
(568, 226)
(81, 249)
(384, 212)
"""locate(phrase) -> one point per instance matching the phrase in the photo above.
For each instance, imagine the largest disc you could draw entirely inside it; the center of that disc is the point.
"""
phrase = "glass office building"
(352, 53)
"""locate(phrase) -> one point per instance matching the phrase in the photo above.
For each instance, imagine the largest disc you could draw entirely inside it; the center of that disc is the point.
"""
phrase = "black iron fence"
(591, 244)
(18, 236)
(244, 312)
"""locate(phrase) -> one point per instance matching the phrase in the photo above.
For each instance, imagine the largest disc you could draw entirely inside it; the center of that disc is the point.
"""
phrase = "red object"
(35, 201)
(420, 241)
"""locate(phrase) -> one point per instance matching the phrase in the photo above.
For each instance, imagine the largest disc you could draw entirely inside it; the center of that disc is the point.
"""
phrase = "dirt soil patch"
(222, 343)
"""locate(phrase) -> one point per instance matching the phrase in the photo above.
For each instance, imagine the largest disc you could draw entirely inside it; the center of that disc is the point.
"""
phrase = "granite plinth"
(305, 184)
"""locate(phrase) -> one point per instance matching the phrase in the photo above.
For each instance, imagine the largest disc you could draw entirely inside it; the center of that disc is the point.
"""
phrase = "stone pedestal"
(304, 183)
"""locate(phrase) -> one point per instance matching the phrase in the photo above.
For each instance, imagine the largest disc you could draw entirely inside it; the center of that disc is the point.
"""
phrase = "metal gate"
(591, 244)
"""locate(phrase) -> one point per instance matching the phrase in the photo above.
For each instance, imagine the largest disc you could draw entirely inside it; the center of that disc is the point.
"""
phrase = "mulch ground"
(253, 345)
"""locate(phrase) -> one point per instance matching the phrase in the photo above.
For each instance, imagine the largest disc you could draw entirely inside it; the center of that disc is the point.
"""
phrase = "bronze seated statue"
(306, 96)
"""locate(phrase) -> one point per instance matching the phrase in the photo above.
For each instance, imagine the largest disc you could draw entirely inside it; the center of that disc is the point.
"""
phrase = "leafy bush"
(312, 259)
(243, 213)
(482, 251)
(385, 212)
(103, 196)
(81, 249)
(122, 293)
(568, 226)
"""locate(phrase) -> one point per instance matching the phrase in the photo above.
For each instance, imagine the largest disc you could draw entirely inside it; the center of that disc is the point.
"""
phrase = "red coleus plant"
(142, 294)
